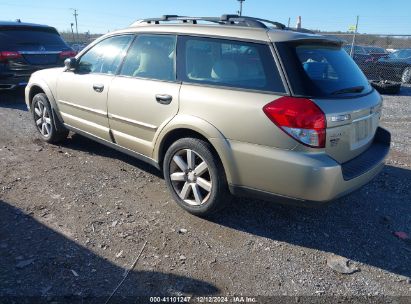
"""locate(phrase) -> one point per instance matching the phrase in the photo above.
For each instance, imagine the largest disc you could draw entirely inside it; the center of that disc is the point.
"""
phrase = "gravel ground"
(74, 218)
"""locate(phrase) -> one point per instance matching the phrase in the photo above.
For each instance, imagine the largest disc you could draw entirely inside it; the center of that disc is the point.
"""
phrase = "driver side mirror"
(70, 63)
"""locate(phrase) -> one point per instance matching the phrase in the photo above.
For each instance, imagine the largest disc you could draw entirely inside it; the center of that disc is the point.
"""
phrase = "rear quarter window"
(228, 63)
(322, 70)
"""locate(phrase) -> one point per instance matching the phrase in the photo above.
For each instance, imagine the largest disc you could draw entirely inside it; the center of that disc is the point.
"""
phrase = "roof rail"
(223, 20)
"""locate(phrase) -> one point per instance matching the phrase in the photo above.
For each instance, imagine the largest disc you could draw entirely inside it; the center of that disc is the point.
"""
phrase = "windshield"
(402, 54)
(322, 70)
(357, 49)
(375, 50)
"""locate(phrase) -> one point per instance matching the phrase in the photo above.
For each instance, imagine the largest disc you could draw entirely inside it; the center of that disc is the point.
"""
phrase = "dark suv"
(26, 48)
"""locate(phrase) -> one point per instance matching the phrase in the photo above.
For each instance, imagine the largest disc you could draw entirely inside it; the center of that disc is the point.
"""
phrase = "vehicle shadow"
(13, 99)
(38, 264)
(404, 91)
(359, 227)
(84, 144)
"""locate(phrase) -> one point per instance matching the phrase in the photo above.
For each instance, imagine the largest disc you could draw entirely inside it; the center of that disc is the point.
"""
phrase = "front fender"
(35, 83)
(213, 135)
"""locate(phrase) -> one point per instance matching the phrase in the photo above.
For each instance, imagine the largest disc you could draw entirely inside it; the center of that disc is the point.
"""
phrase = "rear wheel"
(195, 176)
(406, 75)
(44, 120)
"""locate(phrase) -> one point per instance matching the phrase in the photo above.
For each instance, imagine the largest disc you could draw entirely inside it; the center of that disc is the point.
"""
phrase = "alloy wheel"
(406, 75)
(190, 177)
(42, 118)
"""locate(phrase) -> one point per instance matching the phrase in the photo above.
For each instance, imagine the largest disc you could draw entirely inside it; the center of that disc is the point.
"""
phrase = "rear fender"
(213, 135)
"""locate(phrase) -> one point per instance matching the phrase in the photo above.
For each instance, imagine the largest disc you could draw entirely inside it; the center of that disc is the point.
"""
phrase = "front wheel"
(195, 176)
(44, 120)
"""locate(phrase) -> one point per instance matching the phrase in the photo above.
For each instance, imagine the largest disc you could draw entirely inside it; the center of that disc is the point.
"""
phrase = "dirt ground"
(74, 218)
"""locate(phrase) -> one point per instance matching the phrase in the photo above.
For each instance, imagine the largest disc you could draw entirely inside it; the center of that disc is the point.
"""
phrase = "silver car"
(224, 105)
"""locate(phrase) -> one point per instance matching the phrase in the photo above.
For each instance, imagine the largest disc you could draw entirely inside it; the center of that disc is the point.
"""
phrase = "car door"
(144, 96)
(82, 92)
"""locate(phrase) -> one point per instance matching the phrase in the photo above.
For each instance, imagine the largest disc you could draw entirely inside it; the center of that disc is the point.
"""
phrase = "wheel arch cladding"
(198, 128)
(36, 89)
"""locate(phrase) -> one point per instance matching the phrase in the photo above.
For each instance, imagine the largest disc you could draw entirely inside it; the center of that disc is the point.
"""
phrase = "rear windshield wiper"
(357, 89)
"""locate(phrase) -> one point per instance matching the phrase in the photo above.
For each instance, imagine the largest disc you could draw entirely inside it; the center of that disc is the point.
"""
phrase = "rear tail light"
(6, 55)
(67, 54)
(299, 118)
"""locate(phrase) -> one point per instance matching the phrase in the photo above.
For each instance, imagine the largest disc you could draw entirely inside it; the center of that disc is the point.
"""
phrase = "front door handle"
(98, 87)
(164, 98)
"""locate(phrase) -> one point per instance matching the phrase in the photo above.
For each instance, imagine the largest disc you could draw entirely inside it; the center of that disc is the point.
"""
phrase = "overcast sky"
(385, 17)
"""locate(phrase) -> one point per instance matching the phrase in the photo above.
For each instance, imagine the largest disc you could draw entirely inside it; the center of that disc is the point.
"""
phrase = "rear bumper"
(13, 82)
(12, 79)
(304, 178)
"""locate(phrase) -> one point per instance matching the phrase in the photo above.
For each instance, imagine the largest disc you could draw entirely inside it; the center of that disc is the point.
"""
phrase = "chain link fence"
(80, 41)
(380, 57)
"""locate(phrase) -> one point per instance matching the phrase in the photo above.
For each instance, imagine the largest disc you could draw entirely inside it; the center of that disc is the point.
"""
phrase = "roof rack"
(223, 20)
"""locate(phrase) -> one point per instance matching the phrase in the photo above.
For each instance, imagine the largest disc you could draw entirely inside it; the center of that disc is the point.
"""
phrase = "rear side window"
(322, 70)
(104, 57)
(31, 38)
(151, 56)
(228, 63)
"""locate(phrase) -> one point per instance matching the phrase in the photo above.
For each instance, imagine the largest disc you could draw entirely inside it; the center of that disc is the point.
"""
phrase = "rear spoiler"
(47, 29)
(322, 40)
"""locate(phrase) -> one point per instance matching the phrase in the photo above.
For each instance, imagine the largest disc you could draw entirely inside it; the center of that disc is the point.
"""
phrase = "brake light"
(67, 54)
(6, 55)
(300, 118)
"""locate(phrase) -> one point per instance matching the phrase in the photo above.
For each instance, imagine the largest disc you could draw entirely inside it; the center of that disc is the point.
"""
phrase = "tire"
(406, 75)
(45, 122)
(386, 87)
(198, 186)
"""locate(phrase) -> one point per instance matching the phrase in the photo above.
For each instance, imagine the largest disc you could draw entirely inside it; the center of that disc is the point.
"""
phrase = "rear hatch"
(33, 47)
(320, 70)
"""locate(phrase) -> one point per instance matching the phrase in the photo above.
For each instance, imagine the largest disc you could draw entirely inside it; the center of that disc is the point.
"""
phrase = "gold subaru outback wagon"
(222, 105)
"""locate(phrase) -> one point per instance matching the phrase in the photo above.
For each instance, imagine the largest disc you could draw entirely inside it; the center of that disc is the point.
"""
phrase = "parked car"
(360, 55)
(219, 111)
(77, 47)
(376, 52)
(26, 48)
(396, 67)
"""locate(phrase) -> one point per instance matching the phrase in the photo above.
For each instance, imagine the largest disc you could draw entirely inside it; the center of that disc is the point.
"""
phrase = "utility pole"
(298, 25)
(240, 12)
(352, 52)
(72, 31)
(289, 20)
(75, 18)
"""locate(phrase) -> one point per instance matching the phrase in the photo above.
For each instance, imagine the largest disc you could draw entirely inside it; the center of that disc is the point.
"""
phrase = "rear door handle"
(164, 98)
(98, 87)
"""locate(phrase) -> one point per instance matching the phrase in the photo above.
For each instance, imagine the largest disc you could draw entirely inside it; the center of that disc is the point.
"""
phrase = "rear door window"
(321, 70)
(228, 63)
